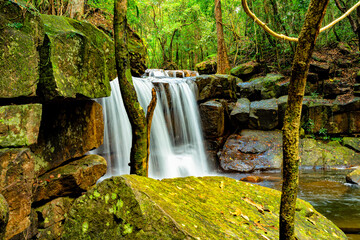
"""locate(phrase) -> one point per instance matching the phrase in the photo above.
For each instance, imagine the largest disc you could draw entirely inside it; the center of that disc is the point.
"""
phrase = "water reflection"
(328, 192)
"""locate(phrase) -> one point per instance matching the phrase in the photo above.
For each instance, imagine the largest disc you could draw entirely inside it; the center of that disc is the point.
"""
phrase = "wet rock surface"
(263, 114)
(354, 177)
(212, 118)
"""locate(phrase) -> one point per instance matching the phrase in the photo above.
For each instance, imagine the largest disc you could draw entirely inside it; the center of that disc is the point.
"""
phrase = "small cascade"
(176, 148)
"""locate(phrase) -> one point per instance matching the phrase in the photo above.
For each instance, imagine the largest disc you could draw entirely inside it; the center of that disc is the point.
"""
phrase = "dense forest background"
(181, 33)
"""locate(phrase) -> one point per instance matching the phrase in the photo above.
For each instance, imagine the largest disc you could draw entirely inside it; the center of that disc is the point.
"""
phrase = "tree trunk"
(76, 9)
(223, 65)
(138, 155)
(305, 47)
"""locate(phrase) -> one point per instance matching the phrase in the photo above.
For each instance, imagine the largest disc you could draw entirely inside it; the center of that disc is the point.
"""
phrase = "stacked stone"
(50, 68)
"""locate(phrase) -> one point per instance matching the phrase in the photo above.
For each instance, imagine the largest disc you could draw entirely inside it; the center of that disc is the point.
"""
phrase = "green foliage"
(15, 25)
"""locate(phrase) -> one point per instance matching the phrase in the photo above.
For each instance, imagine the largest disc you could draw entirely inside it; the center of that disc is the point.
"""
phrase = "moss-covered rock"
(16, 182)
(51, 217)
(4, 216)
(68, 130)
(207, 67)
(137, 53)
(71, 179)
(21, 33)
(263, 114)
(19, 124)
(354, 177)
(134, 207)
(246, 70)
(352, 142)
(216, 86)
(318, 153)
(76, 59)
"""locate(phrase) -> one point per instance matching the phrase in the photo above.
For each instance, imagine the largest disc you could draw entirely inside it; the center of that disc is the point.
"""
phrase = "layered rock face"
(50, 67)
(134, 207)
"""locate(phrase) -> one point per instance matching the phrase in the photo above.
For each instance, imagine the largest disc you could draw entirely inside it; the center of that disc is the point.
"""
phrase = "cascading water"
(176, 147)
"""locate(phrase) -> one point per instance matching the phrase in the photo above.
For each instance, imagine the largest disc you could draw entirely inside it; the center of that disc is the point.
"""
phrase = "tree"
(139, 155)
(223, 65)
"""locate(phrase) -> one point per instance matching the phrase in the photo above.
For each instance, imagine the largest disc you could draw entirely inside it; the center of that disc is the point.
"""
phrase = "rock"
(246, 70)
(212, 118)
(263, 114)
(252, 179)
(68, 130)
(137, 53)
(320, 68)
(77, 59)
(352, 143)
(240, 114)
(318, 153)
(354, 122)
(269, 86)
(52, 217)
(21, 34)
(312, 78)
(215, 86)
(252, 150)
(71, 179)
(331, 89)
(134, 207)
(19, 124)
(354, 177)
(282, 103)
(16, 182)
(4, 216)
(207, 67)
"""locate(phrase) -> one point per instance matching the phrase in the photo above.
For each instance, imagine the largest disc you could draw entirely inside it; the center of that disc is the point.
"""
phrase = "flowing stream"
(176, 148)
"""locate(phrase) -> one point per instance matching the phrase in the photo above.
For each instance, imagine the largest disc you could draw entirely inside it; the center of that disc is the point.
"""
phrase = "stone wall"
(242, 115)
(50, 67)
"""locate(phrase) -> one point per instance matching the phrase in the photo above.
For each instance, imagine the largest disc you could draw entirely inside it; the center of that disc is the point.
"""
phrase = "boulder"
(134, 207)
(77, 59)
(207, 67)
(21, 34)
(246, 70)
(331, 88)
(212, 118)
(68, 130)
(352, 143)
(320, 68)
(19, 124)
(319, 153)
(215, 86)
(263, 114)
(354, 177)
(71, 179)
(16, 182)
(4, 216)
(240, 114)
(252, 150)
(137, 53)
(51, 217)
(252, 179)
(270, 86)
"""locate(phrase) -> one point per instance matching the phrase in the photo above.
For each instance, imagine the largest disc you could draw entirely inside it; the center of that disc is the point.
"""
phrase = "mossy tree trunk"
(138, 155)
(223, 65)
(301, 62)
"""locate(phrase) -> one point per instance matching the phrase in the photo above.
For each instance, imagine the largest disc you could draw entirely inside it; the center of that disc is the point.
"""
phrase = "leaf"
(222, 185)
(237, 212)
(259, 207)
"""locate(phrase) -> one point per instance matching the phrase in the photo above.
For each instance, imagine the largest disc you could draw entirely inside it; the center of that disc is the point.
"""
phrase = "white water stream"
(176, 148)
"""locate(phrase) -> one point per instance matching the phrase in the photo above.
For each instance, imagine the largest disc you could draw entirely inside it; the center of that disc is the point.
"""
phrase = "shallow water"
(328, 192)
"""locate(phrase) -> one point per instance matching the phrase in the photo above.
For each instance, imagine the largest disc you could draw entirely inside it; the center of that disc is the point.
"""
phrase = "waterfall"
(176, 144)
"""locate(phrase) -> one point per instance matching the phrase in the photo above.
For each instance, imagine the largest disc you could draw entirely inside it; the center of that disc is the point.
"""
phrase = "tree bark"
(301, 62)
(223, 65)
(138, 154)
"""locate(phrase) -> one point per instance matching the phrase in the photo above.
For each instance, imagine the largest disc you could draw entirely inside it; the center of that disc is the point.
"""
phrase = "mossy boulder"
(352, 142)
(71, 179)
(263, 114)
(16, 181)
(77, 59)
(246, 70)
(215, 86)
(68, 130)
(354, 177)
(134, 207)
(21, 34)
(137, 53)
(19, 124)
(319, 153)
(51, 217)
(207, 67)
(240, 114)
(212, 116)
